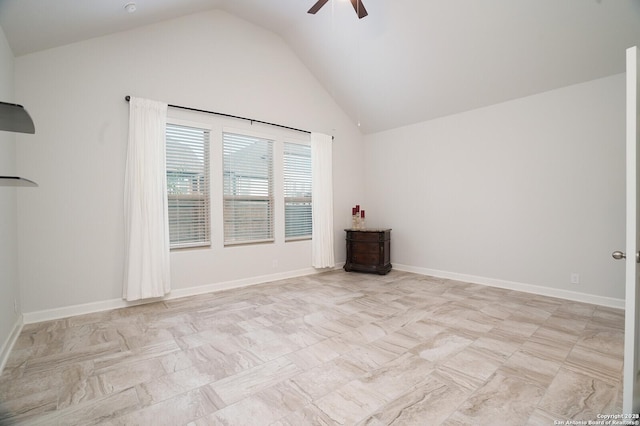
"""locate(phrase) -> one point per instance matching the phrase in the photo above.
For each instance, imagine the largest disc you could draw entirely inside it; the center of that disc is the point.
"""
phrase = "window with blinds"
(188, 186)
(247, 188)
(297, 191)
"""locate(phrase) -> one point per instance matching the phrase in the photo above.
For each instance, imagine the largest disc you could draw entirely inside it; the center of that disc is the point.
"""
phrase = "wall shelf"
(14, 118)
(16, 181)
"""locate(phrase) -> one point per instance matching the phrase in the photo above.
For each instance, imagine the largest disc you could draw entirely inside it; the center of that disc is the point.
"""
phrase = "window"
(297, 191)
(247, 188)
(188, 186)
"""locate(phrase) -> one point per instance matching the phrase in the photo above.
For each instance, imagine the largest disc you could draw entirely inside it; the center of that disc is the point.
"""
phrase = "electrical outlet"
(575, 278)
(274, 263)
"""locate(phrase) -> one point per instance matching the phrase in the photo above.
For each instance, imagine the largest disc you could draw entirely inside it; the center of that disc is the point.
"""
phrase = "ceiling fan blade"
(359, 8)
(316, 7)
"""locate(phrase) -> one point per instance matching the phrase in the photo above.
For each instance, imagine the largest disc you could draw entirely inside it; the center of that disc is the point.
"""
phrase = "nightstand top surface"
(368, 229)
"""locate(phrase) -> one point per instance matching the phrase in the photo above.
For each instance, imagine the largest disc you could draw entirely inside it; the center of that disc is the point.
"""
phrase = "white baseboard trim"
(511, 285)
(7, 346)
(245, 282)
(105, 305)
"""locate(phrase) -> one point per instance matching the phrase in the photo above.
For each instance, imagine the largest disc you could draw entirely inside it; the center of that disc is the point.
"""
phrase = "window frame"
(206, 227)
(298, 199)
(235, 239)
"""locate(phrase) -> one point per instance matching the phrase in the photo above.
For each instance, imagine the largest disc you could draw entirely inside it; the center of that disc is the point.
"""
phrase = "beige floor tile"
(121, 377)
(530, 368)
(239, 386)
(429, 403)
(595, 364)
(30, 406)
(542, 418)
(327, 377)
(442, 346)
(549, 345)
(310, 415)
(459, 380)
(313, 356)
(608, 317)
(607, 340)
(95, 411)
(502, 400)
(573, 395)
(178, 410)
(398, 376)
(474, 363)
(495, 347)
(351, 403)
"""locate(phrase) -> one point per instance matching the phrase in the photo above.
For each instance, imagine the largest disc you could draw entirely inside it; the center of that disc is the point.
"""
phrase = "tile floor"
(333, 348)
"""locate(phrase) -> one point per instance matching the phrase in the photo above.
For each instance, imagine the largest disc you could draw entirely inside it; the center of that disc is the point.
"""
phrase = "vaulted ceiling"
(408, 61)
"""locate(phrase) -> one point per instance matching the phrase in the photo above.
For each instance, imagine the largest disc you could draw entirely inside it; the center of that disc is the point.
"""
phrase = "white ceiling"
(408, 61)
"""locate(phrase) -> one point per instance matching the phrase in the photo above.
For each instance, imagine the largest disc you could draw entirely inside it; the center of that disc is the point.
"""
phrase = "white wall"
(523, 192)
(9, 285)
(71, 228)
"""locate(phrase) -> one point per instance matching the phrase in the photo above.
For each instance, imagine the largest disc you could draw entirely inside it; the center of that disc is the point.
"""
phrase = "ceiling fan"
(357, 5)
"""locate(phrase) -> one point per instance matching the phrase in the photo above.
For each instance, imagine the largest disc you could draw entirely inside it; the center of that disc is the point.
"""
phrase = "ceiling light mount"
(130, 7)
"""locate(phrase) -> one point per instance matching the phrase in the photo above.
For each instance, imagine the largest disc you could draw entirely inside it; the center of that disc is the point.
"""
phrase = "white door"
(631, 390)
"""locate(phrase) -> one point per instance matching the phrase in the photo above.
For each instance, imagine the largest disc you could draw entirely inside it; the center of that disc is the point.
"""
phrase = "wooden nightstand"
(368, 250)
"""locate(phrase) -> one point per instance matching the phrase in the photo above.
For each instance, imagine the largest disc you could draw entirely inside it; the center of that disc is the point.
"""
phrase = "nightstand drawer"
(360, 247)
(366, 236)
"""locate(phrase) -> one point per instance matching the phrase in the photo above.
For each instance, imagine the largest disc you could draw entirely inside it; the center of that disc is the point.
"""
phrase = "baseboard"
(245, 282)
(11, 340)
(510, 285)
(105, 305)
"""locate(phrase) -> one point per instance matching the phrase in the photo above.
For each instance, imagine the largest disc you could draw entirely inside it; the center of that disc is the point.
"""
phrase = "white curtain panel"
(147, 273)
(322, 206)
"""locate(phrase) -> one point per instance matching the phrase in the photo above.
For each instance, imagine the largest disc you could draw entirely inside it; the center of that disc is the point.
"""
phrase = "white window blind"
(247, 188)
(297, 191)
(188, 186)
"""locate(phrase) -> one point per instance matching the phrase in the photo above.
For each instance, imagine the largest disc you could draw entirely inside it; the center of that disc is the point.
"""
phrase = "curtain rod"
(127, 98)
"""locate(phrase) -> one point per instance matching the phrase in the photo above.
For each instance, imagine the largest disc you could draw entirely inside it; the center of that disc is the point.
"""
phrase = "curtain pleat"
(322, 205)
(146, 273)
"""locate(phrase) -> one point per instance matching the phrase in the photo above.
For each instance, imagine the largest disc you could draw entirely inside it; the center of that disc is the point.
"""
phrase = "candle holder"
(357, 218)
(354, 218)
